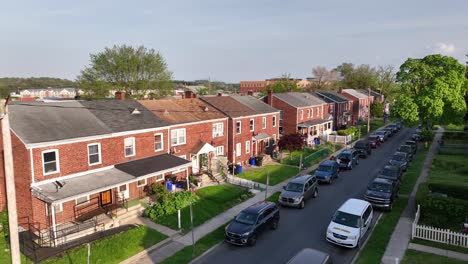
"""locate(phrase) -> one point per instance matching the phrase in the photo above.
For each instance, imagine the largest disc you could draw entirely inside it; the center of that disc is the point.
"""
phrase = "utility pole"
(368, 112)
(10, 188)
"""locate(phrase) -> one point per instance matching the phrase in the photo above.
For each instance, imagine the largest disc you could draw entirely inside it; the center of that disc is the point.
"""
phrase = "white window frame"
(60, 208)
(138, 185)
(274, 121)
(238, 149)
(216, 130)
(87, 200)
(264, 122)
(133, 147)
(247, 147)
(177, 131)
(56, 161)
(220, 151)
(240, 127)
(267, 142)
(99, 154)
(312, 112)
(308, 113)
(183, 156)
(162, 141)
(252, 125)
(158, 180)
(302, 114)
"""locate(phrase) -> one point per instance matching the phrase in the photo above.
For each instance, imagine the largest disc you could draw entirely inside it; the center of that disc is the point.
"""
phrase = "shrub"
(162, 194)
(170, 204)
(348, 131)
(451, 189)
(426, 134)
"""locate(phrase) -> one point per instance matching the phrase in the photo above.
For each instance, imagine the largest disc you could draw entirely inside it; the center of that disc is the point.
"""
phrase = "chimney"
(270, 97)
(120, 95)
(220, 94)
(340, 91)
(189, 94)
(250, 92)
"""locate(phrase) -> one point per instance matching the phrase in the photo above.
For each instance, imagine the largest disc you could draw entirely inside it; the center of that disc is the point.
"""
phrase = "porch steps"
(206, 180)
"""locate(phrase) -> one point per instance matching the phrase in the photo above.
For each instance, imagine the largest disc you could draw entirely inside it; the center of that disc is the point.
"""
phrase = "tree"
(283, 85)
(361, 77)
(386, 80)
(136, 70)
(291, 142)
(324, 78)
(377, 109)
(432, 91)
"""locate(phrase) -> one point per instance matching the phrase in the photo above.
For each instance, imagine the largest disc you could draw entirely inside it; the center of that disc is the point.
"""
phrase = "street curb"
(365, 242)
(206, 252)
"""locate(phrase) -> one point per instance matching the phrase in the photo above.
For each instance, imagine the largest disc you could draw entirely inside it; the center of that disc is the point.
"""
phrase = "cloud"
(444, 48)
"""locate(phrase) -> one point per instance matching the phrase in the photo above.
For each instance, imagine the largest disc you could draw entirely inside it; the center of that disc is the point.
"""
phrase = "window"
(218, 129)
(274, 139)
(159, 177)
(329, 125)
(264, 122)
(129, 147)
(267, 142)
(50, 161)
(332, 108)
(141, 183)
(158, 142)
(123, 188)
(308, 113)
(281, 115)
(252, 126)
(183, 156)
(178, 136)
(94, 154)
(247, 147)
(238, 149)
(238, 127)
(82, 200)
(302, 114)
(273, 121)
(312, 112)
(58, 208)
(220, 151)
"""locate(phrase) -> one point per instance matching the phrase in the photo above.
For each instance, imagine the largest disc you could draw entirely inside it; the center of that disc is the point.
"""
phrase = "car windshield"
(398, 157)
(360, 145)
(372, 138)
(294, 187)
(325, 168)
(344, 156)
(246, 218)
(380, 132)
(405, 148)
(388, 172)
(380, 187)
(346, 219)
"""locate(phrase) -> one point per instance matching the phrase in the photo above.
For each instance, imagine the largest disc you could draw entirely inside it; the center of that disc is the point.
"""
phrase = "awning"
(261, 136)
(312, 123)
(202, 148)
(106, 179)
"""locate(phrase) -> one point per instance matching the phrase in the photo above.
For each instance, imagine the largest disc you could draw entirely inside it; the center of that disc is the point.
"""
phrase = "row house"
(361, 103)
(339, 106)
(253, 126)
(49, 92)
(198, 130)
(302, 113)
(374, 95)
(75, 160)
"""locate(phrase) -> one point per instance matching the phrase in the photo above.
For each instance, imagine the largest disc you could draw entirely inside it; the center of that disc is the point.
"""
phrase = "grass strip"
(278, 173)
(440, 245)
(414, 257)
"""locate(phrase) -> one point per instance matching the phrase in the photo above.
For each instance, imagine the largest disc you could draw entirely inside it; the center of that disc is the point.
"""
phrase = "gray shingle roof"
(355, 93)
(255, 104)
(330, 96)
(299, 99)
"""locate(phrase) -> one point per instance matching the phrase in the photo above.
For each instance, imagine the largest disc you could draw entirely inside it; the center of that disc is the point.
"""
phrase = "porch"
(314, 129)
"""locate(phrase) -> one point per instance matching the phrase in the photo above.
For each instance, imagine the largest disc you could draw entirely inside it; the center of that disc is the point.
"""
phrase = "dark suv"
(364, 148)
(374, 141)
(252, 221)
(399, 159)
(413, 144)
(327, 171)
(348, 158)
(382, 134)
(381, 193)
(391, 172)
(298, 190)
(408, 150)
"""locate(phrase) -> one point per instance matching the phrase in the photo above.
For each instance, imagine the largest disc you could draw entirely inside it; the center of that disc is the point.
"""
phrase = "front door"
(106, 197)
(204, 161)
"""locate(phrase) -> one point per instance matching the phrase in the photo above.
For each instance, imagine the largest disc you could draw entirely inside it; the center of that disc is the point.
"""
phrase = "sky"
(226, 40)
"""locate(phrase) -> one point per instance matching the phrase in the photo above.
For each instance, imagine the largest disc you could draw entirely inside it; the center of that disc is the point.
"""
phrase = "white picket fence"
(445, 236)
(339, 139)
(244, 183)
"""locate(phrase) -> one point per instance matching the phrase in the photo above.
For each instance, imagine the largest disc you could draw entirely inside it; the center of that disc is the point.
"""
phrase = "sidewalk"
(402, 234)
(168, 249)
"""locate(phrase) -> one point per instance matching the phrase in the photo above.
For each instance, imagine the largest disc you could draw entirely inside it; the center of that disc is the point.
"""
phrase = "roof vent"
(206, 109)
(135, 111)
(166, 112)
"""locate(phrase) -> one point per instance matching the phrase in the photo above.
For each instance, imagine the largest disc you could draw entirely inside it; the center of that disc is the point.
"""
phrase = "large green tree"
(360, 77)
(432, 91)
(377, 109)
(283, 85)
(136, 70)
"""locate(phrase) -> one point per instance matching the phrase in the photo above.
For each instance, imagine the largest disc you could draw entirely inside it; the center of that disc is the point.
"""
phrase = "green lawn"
(202, 245)
(113, 249)
(417, 257)
(214, 200)
(274, 197)
(413, 172)
(452, 127)
(309, 156)
(440, 245)
(375, 247)
(5, 257)
(278, 173)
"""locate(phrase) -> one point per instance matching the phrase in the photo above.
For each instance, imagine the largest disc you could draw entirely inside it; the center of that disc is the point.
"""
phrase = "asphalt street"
(307, 228)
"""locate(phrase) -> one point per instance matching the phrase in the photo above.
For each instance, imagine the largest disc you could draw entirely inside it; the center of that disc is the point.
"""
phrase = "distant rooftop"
(355, 93)
(330, 96)
(299, 99)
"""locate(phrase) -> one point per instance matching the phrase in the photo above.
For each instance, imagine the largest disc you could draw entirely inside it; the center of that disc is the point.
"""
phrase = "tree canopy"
(291, 142)
(360, 77)
(377, 109)
(432, 91)
(283, 85)
(135, 70)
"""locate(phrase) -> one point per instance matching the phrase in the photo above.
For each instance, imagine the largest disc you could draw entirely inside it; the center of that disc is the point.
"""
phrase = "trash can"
(259, 160)
(239, 169)
(169, 185)
(253, 161)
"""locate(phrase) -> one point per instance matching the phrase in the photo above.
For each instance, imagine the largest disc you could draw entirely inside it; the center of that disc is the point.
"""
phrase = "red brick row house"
(339, 106)
(302, 113)
(253, 126)
(361, 103)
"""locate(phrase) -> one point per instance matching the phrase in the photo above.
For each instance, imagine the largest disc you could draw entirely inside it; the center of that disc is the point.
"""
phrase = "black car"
(413, 144)
(374, 141)
(389, 130)
(348, 158)
(382, 134)
(416, 137)
(394, 127)
(399, 159)
(391, 172)
(381, 193)
(408, 150)
(251, 222)
(363, 147)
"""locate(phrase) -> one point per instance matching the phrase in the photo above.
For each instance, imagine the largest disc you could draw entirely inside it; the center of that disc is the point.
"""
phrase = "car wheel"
(253, 240)
(302, 205)
(390, 207)
(351, 167)
(357, 162)
(315, 194)
(274, 224)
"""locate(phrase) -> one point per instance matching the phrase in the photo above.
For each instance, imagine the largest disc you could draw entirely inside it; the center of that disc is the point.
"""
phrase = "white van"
(349, 223)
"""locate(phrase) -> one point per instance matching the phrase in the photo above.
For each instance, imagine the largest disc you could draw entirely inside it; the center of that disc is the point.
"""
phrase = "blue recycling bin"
(239, 169)
(253, 161)
(169, 185)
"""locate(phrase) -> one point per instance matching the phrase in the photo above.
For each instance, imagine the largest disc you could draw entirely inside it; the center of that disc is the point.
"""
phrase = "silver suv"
(298, 190)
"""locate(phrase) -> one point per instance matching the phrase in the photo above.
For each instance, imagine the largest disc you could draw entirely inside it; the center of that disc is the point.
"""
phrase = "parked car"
(389, 130)
(348, 158)
(399, 124)
(391, 172)
(363, 147)
(381, 193)
(251, 222)
(413, 144)
(374, 141)
(309, 255)
(408, 150)
(350, 223)
(327, 171)
(416, 137)
(394, 127)
(383, 134)
(399, 159)
(298, 190)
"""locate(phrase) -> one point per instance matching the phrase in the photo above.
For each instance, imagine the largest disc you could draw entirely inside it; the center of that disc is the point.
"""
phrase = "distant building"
(47, 92)
(260, 86)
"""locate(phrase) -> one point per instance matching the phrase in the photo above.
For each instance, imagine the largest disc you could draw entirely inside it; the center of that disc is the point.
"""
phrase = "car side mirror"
(284, 187)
